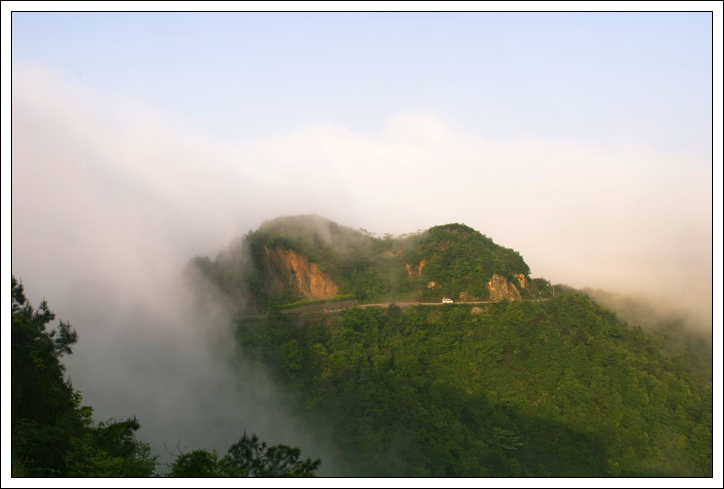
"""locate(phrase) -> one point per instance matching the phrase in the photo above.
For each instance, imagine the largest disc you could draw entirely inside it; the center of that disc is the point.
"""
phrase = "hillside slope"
(549, 388)
(515, 387)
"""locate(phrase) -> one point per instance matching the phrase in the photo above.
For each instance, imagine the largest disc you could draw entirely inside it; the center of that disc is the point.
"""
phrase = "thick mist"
(103, 228)
(110, 199)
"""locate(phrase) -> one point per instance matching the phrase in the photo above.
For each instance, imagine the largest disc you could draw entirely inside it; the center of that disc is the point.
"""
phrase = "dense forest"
(550, 388)
(538, 380)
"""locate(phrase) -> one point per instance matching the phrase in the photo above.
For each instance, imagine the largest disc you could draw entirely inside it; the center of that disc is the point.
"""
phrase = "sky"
(139, 140)
(598, 78)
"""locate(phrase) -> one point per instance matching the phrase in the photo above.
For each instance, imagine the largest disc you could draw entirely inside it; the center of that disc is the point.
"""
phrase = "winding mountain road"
(383, 305)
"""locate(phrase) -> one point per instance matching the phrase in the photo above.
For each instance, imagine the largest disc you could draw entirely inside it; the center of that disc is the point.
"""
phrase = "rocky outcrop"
(412, 271)
(286, 268)
(521, 279)
(500, 289)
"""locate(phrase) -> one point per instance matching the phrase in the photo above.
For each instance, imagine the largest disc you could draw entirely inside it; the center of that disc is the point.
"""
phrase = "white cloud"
(112, 178)
(111, 198)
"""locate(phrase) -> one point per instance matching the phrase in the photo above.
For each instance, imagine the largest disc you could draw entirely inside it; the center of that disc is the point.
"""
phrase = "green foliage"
(461, 260)
(558, 387)
(44, 407)
(83, 460)
(551, 388)
(110, 449)
(199, 463)
(251, 458)
(52, 434)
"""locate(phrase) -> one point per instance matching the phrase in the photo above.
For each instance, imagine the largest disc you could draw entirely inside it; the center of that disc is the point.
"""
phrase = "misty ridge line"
(160, 181)
(638, 310)
(355, 325)
(108, 209)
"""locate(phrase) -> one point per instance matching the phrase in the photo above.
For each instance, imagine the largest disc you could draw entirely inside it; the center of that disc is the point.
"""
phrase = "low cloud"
(110, 199)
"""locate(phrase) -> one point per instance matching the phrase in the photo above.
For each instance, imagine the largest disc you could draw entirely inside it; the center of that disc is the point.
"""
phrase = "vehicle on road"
(447, 301)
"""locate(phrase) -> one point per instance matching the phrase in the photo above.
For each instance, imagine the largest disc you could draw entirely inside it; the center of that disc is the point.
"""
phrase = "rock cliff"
(415, 270)
(521, 279)
(500, 289)
(288, 269)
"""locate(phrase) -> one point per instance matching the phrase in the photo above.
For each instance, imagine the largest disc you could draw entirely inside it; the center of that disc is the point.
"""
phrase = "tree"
(52, 434)
(110, 449)
(247, 458)
(251, 458)
(199, 463)
(45, 409)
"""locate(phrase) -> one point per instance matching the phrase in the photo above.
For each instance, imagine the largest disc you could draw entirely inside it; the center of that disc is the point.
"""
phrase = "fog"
(111, 198)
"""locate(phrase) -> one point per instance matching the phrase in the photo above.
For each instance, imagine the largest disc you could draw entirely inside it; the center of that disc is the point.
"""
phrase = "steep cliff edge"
(500, 289)
(288, 270)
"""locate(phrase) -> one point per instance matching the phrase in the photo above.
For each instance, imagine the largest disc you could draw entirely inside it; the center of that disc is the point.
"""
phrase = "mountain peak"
(301, 257)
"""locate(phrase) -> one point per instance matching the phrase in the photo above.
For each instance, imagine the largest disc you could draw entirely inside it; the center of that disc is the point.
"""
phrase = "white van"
(447, 301)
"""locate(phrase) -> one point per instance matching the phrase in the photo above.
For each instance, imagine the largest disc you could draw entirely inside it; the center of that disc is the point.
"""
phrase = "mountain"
(309, 258)
(510, 385)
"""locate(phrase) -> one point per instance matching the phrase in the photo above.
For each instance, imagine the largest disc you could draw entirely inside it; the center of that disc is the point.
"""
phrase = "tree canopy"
(551, 388)
(249, 457)
(52, 434)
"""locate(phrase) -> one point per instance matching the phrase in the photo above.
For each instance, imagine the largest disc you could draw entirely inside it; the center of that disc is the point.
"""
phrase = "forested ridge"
(550, 388)
(520, 387)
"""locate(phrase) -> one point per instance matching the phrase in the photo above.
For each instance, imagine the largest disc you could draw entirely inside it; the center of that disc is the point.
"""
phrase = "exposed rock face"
(411, 271)
(500, 289)
(431, 285)
(513, 293)
(521, 278)
(286, 267)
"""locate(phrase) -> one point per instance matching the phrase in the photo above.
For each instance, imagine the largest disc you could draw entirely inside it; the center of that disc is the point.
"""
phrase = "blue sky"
(599, 78)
